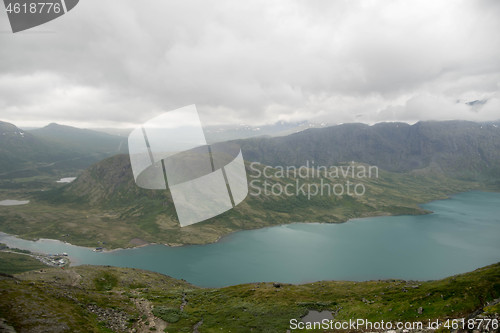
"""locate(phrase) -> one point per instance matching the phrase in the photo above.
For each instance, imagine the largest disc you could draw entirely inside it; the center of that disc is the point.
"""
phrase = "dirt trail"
(74, 277)
(195, 327)
(144, 306)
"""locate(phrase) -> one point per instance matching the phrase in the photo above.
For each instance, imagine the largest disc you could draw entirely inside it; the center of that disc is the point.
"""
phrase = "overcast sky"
(116, 63)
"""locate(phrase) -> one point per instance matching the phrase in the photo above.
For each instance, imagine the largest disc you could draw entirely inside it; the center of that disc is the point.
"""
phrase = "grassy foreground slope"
(105, 299)
(105, 205)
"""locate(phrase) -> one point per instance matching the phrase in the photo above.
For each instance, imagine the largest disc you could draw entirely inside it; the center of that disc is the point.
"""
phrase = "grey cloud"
(119, 62)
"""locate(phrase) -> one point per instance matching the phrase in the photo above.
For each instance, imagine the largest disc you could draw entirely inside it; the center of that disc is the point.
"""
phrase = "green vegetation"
(71, 298)
(13, 263)
(105, 281)
(170, 315)
(104, 207)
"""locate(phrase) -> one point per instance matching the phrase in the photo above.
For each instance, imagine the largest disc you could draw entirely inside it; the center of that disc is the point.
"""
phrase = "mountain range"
(461, 149)
(418, 163)
(27, 153)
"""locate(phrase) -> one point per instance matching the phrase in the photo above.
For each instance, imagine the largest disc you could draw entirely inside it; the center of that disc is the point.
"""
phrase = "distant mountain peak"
(10, 130)
(56, 126)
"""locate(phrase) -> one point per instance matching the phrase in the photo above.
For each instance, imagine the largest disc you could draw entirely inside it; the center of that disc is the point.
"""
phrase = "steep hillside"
(457, 148)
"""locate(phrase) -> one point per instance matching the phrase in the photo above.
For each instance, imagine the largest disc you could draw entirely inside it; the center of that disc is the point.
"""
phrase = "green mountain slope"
(105, 299)
(105, 205)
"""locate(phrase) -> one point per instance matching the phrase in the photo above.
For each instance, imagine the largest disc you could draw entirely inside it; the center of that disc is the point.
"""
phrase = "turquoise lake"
(461, 235)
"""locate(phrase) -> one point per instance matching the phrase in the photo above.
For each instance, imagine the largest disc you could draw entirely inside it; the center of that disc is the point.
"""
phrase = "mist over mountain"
(84, 141)
(214, 133)
(225, 133)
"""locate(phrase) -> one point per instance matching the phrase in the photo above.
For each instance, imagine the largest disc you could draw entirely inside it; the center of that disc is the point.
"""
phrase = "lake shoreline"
(221, 238)
(421, 211)
(423, 247)
(218, 240)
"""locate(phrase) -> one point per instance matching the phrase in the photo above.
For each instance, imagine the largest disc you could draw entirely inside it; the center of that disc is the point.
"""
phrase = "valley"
(250, 167)
(105, 206)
